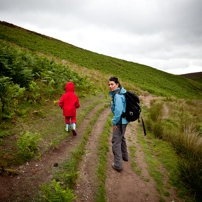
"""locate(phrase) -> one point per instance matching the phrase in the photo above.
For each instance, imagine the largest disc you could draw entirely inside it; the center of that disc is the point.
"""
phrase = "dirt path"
(124, 186)
(37, 172)
(128, 186)
(87, 182)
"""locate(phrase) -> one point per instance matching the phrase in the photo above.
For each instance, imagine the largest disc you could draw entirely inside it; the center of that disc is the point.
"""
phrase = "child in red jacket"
(69, 102)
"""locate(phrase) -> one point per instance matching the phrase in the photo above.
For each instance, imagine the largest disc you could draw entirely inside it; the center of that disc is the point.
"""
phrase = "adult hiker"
(118, 107)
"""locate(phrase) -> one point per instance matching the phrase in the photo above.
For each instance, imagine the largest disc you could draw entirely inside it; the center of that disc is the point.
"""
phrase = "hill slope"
(147, 78)
(60, 154)
(196, 76)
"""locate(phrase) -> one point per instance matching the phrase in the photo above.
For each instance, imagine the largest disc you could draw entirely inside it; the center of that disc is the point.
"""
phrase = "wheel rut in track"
(38, 172)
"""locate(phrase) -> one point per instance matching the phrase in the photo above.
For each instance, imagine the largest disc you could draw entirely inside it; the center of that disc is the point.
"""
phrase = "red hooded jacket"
(69, 101)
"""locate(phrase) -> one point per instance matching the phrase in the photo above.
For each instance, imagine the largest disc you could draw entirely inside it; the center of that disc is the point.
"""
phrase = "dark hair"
(115, 79)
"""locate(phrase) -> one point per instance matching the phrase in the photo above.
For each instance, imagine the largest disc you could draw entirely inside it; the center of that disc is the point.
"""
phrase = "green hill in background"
(34, 70)
(147, 78)
(196, 76)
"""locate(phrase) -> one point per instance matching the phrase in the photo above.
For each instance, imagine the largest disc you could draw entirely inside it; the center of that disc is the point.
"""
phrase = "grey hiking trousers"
(119, 147)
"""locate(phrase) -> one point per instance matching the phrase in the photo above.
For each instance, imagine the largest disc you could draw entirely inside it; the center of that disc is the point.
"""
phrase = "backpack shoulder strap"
(117, 92)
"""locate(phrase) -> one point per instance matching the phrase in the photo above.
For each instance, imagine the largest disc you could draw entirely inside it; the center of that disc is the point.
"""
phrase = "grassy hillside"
(27, 79)
(34, 70)
(147, 78)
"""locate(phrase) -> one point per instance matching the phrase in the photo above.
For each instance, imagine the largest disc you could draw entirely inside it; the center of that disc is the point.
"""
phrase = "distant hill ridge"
(15, 26)
(196, 76)
(145, 77)
(192, 75)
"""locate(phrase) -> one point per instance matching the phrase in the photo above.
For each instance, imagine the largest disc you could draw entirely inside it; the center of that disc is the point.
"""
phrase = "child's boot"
(67, 127)
(74, 129)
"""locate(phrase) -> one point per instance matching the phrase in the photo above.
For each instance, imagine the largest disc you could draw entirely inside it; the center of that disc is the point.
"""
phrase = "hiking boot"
(119, 170)
(74, 132)
(74, 129)
(67, 129)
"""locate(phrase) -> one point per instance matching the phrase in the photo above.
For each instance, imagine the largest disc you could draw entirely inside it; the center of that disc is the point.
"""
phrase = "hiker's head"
(114, 83)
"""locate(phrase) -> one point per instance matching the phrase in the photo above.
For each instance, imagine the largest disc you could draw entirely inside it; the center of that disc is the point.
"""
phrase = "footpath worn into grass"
(137, 180)
(145, 177)
(46, 120)
(32, 174)
(127, 185)
(87, 183)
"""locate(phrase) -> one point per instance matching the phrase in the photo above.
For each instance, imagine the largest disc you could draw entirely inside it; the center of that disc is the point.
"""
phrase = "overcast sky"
(164, 34)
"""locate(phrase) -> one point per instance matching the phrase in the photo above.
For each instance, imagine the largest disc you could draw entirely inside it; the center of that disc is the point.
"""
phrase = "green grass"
(168, 121)
(54, 192)
(28, 80)
(133, 162)
(147, 78)
(152, 159)
(179, 123)
(51, 129)
(67, 171)
(103, 148)
(159, 152)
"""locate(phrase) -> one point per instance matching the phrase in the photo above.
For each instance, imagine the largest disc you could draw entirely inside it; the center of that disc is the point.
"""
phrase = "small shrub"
(9, 92)
(38, 113)
(34, 91)
(22, 112)
(189, 143)
(4, 133)
(70, 178)
(198, 128)
(28, 144)
(56, 193)
(158, 129)
(166, 193)
(149, 123)
(156, 111)
(155, 117)
(191, 173)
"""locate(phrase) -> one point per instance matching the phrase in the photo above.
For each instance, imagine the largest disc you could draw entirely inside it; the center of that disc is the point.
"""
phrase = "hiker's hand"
(114, 127)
